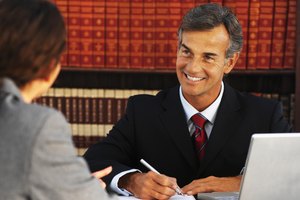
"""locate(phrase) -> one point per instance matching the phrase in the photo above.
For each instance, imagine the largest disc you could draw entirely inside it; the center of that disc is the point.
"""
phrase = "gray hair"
(208, 16)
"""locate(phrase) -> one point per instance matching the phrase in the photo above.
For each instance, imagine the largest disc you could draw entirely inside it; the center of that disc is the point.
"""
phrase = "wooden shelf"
(171, 71)
(251, 81)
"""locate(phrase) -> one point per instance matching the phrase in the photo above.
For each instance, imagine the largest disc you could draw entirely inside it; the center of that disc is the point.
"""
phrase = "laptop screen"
(272, 170)
(272, 167)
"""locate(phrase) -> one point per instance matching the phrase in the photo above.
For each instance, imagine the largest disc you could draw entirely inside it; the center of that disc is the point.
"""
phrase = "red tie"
(199, 135)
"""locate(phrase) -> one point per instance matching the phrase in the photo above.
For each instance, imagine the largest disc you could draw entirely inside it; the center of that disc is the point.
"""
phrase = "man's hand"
(213, 184)
(148, 185)
(101, 173)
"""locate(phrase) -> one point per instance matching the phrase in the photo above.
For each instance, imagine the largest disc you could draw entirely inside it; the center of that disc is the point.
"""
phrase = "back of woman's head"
(32, 37)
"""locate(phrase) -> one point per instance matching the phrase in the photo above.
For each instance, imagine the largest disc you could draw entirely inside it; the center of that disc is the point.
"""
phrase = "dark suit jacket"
(154, 128)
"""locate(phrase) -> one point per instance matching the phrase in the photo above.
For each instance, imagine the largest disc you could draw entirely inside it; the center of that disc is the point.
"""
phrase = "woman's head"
(32, 39)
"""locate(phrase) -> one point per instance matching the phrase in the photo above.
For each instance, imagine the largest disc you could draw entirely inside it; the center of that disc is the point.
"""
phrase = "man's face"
(201, 64)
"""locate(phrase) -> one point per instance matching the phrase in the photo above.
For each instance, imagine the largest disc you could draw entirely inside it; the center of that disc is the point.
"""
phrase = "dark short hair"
(209, 16)
(32, 35)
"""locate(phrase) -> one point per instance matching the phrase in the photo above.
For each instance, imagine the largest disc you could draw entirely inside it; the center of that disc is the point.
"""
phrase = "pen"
(177, 189)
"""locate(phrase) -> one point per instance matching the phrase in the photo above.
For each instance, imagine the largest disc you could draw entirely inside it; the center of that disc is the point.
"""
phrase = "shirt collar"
(9, 87)
(209, 113)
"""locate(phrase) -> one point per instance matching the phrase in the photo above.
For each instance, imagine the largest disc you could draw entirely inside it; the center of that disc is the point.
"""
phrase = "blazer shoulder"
(147, 100)
(256, 100)
(251, 102)
(160, 96)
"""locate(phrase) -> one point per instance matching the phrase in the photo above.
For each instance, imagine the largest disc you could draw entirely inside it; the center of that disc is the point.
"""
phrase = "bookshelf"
(244, 80)
(150, 68)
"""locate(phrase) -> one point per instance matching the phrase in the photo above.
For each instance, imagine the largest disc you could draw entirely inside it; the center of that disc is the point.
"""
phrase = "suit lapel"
(224, 126)
(173, 118)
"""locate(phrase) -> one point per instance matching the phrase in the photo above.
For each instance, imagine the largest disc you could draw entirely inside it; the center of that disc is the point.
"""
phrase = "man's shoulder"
(248, 101)
(257, 99)
(160, 96)
(249, 97)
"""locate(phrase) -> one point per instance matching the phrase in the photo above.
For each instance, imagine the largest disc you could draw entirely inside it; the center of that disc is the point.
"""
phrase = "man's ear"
(231, 62)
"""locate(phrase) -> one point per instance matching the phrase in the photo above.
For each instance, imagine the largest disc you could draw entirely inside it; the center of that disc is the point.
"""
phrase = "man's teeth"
(193, 78)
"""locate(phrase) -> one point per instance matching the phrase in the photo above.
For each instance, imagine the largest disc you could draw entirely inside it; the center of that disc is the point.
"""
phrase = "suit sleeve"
(279, 124)
(117, 149)
(56, 171)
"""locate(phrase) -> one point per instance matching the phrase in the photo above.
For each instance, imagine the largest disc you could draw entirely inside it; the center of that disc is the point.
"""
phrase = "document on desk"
(175, 197)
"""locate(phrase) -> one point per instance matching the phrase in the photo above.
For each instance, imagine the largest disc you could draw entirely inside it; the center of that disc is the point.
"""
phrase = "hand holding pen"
(150, 185)
(177, 189)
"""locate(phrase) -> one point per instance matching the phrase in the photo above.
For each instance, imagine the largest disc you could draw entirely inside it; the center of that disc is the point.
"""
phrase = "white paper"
(175, 197)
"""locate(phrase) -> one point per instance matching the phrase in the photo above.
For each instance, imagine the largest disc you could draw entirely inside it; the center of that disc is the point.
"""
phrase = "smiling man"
(202, 63)
(196, 134)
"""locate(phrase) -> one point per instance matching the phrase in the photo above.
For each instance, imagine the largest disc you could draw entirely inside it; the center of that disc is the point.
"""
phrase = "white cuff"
(115, 180)
(242, 171)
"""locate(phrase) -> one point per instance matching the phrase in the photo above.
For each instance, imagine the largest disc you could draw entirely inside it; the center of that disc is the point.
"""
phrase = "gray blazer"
(37, 156)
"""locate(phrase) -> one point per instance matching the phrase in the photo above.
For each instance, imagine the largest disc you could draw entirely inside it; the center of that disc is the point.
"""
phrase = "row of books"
(142, 34)
(92, 112)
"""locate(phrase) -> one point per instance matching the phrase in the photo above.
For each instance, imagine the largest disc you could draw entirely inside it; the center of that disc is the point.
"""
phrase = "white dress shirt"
(209, 113)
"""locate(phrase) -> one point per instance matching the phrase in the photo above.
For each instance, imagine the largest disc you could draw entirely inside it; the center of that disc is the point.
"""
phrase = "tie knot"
(198, 120)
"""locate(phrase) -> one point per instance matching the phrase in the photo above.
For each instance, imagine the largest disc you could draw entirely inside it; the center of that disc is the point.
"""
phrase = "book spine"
(265, 34)
(68, 104)
(188, 4)
(119, 96)
(87, 122)
(111, 34)
(74, 115)
(81, 131)
(86, 33)
(174, 22)
(109, 96)
(253, 34)
(136, 36)
(232, 4)
(63, 7)
(98, 34)
(242, 7)
(161, 25)
(290, 45)
(50, 98)
(124, 34)
(278, 39)
(60, 100)
(74, 34)
(200, 2)
(148, 34)
(94, 112)
(74, 107)
(220, 2)
(101, 111)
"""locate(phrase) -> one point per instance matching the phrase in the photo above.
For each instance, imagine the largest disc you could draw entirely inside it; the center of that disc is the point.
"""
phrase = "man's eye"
(208, 58)
(185, 52)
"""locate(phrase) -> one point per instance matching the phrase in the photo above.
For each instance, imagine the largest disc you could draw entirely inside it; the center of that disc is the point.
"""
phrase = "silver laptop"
(272, 170)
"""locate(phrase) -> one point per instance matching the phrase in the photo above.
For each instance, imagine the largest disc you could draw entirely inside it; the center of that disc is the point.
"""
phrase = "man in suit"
(160, 129)
(37, 156)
